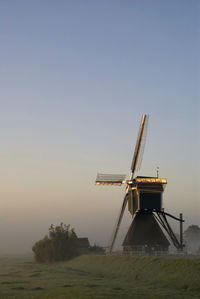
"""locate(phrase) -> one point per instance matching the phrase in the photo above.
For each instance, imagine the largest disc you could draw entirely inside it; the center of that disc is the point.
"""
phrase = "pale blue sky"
(75, 78)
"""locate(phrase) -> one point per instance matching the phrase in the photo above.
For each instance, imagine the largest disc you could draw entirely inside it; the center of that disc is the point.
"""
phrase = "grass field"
(100, 277)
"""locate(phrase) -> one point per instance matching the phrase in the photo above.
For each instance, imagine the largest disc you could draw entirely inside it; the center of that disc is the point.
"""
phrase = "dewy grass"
(93, 276)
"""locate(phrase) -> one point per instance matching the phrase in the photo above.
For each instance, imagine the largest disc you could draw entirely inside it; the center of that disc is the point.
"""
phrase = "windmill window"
(150, 201)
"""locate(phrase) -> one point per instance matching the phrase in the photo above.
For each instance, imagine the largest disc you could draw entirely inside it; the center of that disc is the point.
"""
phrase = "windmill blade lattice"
(110, 179)
(139, 148)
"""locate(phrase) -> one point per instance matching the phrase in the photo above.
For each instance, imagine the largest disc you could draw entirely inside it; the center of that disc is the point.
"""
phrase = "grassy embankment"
(101, 277)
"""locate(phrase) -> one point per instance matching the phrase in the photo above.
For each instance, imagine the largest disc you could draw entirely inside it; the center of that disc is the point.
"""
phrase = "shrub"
(96, 249)
(59, 245)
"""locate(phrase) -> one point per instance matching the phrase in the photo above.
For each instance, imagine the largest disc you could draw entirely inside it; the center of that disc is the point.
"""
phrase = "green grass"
(101, 277)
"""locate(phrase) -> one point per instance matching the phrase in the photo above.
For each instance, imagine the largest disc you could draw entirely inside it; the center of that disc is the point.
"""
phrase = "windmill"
(144, 197)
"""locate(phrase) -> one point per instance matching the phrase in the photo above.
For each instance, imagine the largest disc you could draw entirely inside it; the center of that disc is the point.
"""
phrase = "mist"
(76, 79)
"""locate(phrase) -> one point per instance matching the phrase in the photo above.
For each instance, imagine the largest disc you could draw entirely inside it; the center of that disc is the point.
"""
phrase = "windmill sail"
(136, 162)
(110, 179)
(119, 219)
(139, 148)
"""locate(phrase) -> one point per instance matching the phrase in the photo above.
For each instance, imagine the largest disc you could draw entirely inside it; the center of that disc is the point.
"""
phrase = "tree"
(59, 245)
(192, 237)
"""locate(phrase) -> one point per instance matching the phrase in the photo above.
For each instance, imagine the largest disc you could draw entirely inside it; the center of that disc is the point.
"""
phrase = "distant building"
(83, 245)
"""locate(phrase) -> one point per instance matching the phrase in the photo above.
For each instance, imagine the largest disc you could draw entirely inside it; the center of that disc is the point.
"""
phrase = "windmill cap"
(145, 179)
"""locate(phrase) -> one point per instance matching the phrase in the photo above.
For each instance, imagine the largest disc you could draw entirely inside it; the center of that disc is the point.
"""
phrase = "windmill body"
(145, 235)
(144, 196)
(144, 199)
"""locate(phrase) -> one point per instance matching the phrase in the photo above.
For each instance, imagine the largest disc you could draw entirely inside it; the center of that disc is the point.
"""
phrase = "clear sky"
(75, 78)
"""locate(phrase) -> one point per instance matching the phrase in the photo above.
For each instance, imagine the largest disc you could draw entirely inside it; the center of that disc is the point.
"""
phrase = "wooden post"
(181, 231)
